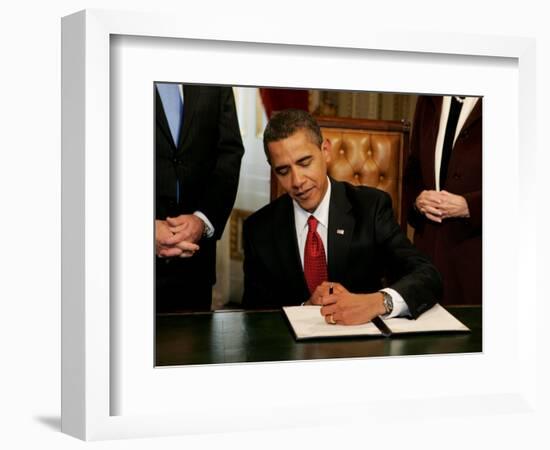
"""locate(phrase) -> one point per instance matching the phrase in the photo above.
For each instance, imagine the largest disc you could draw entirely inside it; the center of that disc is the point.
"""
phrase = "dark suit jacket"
(372, 247)
(206, 161)
(454, 245)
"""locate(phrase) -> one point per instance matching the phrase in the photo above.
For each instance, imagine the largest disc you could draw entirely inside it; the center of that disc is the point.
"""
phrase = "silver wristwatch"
(388, 302)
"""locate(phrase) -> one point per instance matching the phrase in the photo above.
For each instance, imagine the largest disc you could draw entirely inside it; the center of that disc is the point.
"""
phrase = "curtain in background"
(278, 99)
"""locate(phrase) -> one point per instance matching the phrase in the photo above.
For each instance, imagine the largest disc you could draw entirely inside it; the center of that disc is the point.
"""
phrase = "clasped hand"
(440, 205)
(343, 307)
(178, 236)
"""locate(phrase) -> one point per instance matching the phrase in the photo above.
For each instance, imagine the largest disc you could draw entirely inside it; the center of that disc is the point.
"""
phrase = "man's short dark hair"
(287, 122)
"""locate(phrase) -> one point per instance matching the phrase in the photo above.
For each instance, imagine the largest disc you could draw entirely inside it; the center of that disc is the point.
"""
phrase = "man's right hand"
(182, 249)
(429, 203)
(323, 290)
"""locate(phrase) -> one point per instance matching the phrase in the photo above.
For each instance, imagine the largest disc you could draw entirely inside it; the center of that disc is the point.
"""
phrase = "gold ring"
(331, 319)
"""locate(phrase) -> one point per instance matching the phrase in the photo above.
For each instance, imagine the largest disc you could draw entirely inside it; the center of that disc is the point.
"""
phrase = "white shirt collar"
(321, 213)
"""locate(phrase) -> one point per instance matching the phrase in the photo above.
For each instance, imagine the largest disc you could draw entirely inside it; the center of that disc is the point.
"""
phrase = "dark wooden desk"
(253, 336)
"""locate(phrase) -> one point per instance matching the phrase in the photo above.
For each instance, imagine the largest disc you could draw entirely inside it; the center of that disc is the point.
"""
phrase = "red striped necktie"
(315, 262)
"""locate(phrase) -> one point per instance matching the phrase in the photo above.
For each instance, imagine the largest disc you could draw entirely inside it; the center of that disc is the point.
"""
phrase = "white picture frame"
(87, 384)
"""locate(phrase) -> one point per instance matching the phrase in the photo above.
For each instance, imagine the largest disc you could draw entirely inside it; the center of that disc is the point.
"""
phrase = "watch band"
(388, 302)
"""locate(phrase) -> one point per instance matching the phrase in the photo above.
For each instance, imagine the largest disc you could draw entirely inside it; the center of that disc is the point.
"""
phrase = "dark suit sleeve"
(219, 196)
(408, 271)
(412, 177)
(474, 206)
(255, 294)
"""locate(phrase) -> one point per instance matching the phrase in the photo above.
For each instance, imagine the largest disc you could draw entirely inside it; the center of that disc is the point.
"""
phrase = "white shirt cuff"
(400, 307)
(209, 229)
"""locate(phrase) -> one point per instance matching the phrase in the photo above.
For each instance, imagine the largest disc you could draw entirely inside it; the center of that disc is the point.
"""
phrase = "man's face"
(301, 168)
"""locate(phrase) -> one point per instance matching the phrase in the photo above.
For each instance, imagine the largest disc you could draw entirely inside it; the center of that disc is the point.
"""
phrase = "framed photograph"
(111, 386)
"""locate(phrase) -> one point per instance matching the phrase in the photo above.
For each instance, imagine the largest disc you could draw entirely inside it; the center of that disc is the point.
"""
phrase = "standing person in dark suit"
(442, 190)
(325, 233)
(198, 150)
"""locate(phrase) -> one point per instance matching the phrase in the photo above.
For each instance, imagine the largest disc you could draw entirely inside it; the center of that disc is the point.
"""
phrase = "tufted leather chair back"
(367, 152)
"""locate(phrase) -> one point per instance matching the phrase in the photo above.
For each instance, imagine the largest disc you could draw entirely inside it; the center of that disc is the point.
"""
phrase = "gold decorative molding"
(236, 233)
(363, 105)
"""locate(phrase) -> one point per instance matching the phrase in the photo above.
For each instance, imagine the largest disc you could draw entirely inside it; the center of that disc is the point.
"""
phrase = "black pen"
(330, 292)
(381, 325)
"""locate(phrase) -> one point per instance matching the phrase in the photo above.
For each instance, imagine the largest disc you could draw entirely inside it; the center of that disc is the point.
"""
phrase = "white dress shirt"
(400, 308)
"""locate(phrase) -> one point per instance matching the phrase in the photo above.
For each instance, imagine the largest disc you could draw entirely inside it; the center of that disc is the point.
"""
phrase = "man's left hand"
(186, 227)
(453, 205)
(352, 309)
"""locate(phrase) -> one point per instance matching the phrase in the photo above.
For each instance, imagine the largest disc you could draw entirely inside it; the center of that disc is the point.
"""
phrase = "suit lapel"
(162, 122)
(341, 224)
(474, 116)
(191, 96)
(288, 256)
(429, 161)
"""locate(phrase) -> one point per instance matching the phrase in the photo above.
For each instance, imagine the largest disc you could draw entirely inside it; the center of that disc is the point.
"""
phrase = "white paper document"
(307, 322)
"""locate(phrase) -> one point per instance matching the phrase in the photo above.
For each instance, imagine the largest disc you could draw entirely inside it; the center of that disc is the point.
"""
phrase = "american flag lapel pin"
(339, 231)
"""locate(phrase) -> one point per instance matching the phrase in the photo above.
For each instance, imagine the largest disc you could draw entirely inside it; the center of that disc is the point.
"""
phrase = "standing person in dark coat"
(442, 189)
(198, 150)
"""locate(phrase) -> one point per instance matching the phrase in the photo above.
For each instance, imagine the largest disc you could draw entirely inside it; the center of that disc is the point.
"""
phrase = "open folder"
(308, 323)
